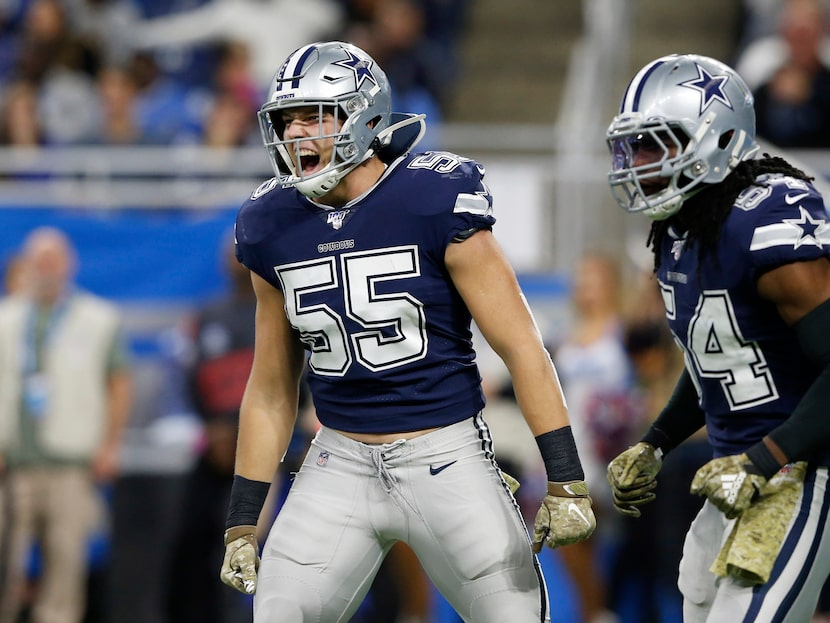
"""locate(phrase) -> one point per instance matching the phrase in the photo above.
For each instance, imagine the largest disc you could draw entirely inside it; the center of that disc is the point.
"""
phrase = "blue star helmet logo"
(710, 88)
(362, 69)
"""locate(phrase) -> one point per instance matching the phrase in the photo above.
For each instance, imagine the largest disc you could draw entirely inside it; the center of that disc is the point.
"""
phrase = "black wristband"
(247, 498)
(558, 451)
(763, 460)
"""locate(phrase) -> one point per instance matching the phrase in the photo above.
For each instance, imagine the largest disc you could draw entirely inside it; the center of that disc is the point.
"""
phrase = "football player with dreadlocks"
(369, 263)
(742, 255)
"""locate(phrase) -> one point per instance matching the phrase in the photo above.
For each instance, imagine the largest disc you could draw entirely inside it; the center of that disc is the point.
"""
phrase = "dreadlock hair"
(704, 213)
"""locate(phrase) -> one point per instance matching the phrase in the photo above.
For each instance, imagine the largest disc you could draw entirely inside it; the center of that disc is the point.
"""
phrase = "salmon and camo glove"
(565, 516)
(241, 561)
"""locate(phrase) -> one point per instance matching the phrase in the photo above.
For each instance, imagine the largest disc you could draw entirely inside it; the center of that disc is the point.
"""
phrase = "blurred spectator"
(165, 109)
(643, 584)
(14, 276)
(596, 378)
(657, 362)
(19, 119)
(762, 49)
(118, 124)
(67, 106)
(230, 123)
(146, 500)
(223, 349)
(440, 22)
(110, 24)
(42, 35)
(62, 67)
(757, 19)
(272, 29)
(230, 120)
(418, 72)
(11, 15)
(445, 21)
(234, 74)
(65, 398)
(136, 104)
(644, 588)
(159, 8)
(789, 74)
(358, 11)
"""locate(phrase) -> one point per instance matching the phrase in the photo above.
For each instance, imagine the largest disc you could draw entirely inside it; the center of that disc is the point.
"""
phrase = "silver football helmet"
(684, 121)
(339, 78)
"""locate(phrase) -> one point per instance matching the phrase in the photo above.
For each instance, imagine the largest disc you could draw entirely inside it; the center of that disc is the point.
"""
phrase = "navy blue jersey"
(746, 362)
(389, 341)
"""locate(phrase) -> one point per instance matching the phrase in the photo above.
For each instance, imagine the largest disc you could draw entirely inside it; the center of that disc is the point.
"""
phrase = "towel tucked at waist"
(753, 544)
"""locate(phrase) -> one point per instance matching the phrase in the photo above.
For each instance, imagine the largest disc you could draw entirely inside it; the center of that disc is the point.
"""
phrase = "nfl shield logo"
(322, 459)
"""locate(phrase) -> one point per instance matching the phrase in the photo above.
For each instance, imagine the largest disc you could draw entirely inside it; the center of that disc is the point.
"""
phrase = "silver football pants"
(441, 493)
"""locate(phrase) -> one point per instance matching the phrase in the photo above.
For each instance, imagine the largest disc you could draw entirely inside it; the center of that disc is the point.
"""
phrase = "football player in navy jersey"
(742, 255)
(369, 263)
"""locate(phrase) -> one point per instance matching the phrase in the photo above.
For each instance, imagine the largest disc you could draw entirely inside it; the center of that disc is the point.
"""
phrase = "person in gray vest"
(65, 396)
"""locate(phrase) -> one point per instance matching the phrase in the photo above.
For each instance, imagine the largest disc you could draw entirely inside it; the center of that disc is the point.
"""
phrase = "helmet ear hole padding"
(724, 139)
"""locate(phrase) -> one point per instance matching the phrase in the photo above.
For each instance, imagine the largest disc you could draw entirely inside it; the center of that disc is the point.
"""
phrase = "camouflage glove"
(731, 483)
(565, 516)
(633, 476)
(241, 559)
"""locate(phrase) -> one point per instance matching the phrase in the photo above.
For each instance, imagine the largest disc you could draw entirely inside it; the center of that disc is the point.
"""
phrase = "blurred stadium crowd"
(158, 72)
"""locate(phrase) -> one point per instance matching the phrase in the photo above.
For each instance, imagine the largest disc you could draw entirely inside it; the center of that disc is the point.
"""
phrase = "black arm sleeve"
(679, 419)
(807, 430)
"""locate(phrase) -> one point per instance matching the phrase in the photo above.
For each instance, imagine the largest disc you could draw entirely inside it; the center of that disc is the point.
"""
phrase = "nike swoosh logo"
(573, 509)
(791, 199)
(437, 470)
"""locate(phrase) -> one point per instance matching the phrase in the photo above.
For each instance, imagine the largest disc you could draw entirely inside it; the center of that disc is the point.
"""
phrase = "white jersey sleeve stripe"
(474, 204)
(784, 235)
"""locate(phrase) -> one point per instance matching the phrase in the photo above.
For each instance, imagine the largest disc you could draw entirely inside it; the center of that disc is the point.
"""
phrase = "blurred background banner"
(134, 255)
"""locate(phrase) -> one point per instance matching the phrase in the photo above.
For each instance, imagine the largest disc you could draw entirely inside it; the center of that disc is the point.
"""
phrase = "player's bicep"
(486, 281)
(796, 288)
(269, 404)
(278, 354)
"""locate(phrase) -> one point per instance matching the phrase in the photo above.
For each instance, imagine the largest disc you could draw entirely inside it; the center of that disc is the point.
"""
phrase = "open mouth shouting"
(309, 161)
